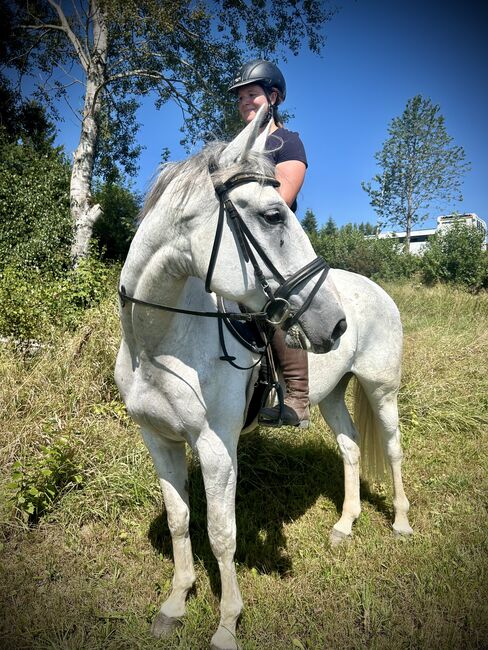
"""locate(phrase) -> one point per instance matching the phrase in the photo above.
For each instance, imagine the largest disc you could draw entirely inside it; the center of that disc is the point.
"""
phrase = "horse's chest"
(164, 395)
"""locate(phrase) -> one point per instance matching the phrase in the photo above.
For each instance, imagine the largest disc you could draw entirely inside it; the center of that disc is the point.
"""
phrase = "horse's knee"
(222, 541)
(178, 523)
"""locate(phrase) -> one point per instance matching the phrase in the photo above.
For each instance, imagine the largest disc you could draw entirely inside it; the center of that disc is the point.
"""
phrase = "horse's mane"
(200, 167)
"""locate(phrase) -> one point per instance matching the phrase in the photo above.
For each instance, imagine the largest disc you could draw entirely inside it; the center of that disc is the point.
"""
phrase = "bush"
(456, 256)
(348, 249)
(35, 222)
(34, 303)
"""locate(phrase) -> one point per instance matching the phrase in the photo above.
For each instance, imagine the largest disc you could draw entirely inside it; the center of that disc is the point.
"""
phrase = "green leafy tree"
(116, 227)
(183, 50)
(367, 228)
(24, 122)
(330, 228)
(420, 168)
(35, 224)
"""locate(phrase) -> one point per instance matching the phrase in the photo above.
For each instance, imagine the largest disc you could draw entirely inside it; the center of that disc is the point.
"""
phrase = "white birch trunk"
(83, 212)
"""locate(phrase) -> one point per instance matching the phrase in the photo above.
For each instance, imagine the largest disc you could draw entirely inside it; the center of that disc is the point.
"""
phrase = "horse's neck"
(157, 270)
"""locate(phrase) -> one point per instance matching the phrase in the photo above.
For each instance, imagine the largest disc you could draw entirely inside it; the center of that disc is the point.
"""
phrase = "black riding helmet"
(263, 73)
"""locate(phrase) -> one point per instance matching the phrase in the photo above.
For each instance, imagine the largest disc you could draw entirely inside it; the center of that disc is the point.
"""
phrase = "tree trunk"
(83, 213)
(408, 232)
(408, 224)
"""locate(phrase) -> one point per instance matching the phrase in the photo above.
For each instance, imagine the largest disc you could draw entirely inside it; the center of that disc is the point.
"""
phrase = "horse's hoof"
(163, 625)
(224, 640)
(337, 537)
(402, 533)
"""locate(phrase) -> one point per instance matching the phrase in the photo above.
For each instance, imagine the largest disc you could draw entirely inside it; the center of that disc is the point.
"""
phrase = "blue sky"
(378, 54)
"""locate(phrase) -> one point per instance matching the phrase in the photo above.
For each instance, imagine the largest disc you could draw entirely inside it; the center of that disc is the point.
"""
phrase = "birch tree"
(118, 51)
(420, 168)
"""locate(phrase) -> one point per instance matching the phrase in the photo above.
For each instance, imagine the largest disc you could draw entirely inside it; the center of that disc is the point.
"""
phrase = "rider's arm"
(290, 174)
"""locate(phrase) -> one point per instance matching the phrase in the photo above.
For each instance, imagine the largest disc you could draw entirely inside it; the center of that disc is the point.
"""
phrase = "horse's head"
(256, 223)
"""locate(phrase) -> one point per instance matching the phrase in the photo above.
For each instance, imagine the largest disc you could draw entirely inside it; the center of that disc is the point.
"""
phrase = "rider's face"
(250, 99)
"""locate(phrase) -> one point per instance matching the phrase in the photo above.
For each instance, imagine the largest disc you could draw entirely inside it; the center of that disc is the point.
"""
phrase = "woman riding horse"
(261, 83)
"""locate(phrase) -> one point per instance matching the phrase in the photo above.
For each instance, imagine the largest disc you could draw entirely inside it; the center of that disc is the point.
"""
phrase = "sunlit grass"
(94, 569)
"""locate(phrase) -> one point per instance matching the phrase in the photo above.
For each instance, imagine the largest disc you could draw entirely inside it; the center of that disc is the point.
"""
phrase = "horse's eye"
(273, 217)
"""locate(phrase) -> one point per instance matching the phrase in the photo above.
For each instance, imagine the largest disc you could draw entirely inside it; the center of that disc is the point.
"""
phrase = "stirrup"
(273, 417)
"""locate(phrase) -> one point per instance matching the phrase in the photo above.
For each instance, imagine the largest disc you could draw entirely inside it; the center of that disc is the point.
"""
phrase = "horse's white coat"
(178, 391)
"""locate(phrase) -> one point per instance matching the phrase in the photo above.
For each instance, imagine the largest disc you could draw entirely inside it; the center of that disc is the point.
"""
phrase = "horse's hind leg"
(385, 407)
(336, 414)
(170, 462)
(218, 459)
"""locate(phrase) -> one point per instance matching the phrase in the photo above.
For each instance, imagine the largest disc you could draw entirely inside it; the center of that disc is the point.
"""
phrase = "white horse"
(178, 390)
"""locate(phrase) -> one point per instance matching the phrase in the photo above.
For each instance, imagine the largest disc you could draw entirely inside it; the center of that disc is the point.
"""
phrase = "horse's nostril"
(339, 329)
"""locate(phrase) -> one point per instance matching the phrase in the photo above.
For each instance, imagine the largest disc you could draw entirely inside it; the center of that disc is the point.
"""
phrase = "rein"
(277, 310)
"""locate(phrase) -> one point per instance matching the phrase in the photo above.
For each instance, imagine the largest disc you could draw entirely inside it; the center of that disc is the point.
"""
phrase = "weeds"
(39, 481)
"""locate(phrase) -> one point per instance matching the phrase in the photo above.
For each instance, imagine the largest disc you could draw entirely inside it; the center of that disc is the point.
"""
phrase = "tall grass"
(90, 567)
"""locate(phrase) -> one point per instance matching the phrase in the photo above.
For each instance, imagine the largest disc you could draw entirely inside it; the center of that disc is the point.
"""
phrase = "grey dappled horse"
(178, 390)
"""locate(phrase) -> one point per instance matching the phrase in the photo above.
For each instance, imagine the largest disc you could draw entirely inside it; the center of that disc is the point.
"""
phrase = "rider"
(261, 83)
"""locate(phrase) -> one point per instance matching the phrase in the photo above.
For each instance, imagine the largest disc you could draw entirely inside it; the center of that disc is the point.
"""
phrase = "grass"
(90, 568)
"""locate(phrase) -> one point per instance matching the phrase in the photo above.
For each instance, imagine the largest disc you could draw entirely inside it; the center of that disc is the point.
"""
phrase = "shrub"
(456, 256)
(348, 249)
(34, 303)
(35, 223)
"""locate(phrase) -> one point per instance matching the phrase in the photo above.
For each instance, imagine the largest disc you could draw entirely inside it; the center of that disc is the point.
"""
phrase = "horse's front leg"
(218, 459)
(170, 462)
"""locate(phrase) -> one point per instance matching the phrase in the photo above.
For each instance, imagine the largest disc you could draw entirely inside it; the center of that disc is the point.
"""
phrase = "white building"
(419, 238)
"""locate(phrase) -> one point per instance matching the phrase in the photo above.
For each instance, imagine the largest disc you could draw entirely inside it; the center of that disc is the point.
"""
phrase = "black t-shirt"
(283, 145)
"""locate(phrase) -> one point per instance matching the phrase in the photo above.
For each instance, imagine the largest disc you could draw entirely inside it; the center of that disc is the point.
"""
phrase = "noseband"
(277, 311)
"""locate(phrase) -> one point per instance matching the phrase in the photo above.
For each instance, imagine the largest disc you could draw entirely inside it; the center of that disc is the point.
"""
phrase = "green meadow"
(85, 552)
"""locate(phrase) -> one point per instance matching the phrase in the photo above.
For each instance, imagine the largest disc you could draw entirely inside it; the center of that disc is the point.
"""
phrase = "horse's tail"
(373, 462)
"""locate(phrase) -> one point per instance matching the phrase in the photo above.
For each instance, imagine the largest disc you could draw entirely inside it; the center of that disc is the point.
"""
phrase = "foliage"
(24, 122)
(37, 482)
(348, 248)
(309, 223)
(117, 225)
(35, 223)
(181, 51)
(419, 167)
(34, 303)
(456, 256)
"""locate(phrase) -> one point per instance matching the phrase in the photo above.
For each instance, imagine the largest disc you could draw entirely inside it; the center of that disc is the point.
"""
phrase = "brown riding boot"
(294, 368)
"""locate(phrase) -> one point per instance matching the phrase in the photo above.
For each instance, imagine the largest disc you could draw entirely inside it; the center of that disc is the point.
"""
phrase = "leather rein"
(277, 310)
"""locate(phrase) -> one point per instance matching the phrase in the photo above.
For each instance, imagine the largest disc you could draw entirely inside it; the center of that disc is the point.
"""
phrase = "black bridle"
(277, 311)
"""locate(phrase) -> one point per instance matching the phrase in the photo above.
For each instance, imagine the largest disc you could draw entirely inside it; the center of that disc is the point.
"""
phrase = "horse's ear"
(243, 143)
(260, 142)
